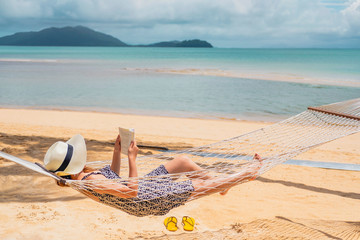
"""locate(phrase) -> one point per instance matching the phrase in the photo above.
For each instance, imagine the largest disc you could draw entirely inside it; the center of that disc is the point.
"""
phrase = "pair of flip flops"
(171, 223)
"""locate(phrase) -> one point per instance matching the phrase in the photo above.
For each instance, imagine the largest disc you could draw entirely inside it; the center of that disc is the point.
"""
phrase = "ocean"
(219, 83)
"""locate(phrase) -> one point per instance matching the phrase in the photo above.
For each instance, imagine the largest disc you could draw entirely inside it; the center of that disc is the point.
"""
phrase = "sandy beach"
(288, 202)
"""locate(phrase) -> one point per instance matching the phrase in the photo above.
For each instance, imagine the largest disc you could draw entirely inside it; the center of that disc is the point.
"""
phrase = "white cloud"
(352, 16)
(245, 23)
(22, 9)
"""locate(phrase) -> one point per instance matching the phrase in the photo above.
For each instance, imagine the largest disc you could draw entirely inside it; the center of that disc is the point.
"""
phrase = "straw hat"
(66, 158)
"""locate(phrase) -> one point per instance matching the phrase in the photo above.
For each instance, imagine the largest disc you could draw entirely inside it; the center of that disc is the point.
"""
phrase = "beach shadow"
(17, 170)
(28, 189)
(33, 149)
(329, 236)
(15, 196)
(331, 229)
(36, 146)
(351, 195)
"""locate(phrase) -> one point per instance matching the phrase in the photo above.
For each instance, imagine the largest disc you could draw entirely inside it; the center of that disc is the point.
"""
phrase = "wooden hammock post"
(317, 109)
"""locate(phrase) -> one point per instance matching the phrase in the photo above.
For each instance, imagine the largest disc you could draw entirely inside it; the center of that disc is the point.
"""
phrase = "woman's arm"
(132, 154)
(116, 189)
(116, 160)
(112, 187)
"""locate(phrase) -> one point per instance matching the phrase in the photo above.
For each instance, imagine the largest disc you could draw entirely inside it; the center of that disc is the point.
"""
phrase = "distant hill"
(66, 36)
(196, 43)
(83, 36)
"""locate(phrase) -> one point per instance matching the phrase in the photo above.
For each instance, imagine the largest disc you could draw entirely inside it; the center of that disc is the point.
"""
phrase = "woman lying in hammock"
(140, 197)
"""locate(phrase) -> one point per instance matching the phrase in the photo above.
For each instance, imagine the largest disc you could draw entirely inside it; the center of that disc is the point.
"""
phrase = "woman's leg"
(222, 185)
(256, 157)
(184, 164)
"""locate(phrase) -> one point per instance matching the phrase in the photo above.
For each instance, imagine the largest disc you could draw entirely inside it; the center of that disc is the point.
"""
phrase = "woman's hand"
(117, 146)
(116, 161)
(133, 151)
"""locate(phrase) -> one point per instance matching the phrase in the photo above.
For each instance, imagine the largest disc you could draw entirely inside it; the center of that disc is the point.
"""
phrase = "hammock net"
(223, 160)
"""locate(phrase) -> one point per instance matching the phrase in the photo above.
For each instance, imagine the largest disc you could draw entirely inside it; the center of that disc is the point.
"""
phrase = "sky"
(223, 23)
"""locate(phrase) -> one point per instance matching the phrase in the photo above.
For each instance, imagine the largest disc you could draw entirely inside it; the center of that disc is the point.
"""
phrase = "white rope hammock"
(222, 160)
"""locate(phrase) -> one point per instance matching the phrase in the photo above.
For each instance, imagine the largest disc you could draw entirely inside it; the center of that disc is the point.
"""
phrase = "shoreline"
(108, 121)
(152, 113)
(276, 77)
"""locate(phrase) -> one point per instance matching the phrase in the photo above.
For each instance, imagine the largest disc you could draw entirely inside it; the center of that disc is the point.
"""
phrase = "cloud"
(232, 23)
(352, 16)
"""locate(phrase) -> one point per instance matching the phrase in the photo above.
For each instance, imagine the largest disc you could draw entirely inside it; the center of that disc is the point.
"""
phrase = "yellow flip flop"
(188, 223)
(170, 224)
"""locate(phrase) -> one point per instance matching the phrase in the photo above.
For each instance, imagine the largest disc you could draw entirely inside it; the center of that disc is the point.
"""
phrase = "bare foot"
(256, 157)
(256, 173)
(224, 192)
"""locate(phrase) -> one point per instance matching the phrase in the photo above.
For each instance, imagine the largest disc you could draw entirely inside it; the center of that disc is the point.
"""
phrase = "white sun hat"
(66, 158)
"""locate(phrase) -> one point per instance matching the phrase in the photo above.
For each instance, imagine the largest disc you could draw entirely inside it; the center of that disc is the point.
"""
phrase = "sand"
(288, 202)
(247, 74)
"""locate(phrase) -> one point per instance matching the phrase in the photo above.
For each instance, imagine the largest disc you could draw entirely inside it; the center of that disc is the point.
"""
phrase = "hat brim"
(78, 161)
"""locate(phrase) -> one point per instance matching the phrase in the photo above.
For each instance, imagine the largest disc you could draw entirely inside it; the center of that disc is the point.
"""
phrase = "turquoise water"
(210, 83)
(336, 63)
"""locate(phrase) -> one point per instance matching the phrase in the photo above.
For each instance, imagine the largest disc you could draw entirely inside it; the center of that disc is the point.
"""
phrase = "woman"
(150, 196)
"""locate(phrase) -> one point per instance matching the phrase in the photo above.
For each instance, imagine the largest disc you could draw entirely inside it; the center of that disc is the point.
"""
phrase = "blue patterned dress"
(155, 196)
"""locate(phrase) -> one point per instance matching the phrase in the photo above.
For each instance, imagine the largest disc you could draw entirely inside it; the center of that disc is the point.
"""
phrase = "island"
(85, 37)
(196, 43)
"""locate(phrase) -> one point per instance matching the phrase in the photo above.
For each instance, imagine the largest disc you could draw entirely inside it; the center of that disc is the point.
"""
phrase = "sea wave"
(28, 60)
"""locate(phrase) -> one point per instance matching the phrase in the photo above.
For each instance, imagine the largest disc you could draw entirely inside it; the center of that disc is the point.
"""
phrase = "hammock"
(275, 144)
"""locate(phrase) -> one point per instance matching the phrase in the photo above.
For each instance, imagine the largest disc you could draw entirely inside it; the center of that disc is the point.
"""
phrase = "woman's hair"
(88, 169)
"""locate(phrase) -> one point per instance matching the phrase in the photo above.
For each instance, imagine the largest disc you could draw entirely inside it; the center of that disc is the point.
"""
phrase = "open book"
(127, 136)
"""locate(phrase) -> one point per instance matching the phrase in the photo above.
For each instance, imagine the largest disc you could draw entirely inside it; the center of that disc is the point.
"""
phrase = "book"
(127, 136)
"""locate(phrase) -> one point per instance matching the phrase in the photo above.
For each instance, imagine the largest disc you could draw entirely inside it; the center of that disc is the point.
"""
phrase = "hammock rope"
(221, 161)
(275, 144)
